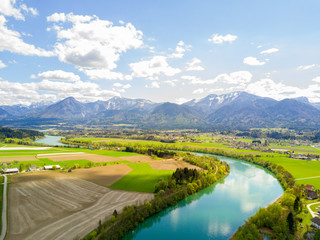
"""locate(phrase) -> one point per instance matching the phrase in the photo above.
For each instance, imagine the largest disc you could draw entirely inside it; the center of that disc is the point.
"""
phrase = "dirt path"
(51, 205)
(313, 214)
(4, 209)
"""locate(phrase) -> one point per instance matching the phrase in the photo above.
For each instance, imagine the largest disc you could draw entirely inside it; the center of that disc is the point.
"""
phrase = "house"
(309, 187)
(51, 167)
(9, 170)
(32, 168)
(311, 195)
(315, 222)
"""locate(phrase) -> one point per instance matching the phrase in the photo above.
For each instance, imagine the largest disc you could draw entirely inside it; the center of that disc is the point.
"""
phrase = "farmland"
(300, 169)
(50, 205)
(142, 178)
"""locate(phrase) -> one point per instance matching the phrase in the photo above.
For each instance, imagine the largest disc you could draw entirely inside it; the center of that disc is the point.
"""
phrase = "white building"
(9, 170)
(315, 222)
(50, 167)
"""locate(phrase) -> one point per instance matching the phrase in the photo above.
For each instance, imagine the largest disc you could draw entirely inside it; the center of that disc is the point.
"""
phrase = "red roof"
(309, 187)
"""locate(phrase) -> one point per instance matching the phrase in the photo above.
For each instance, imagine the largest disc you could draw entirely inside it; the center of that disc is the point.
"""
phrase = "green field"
(142, 178)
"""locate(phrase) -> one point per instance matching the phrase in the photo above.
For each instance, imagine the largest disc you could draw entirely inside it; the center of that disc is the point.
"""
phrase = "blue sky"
(159, 50)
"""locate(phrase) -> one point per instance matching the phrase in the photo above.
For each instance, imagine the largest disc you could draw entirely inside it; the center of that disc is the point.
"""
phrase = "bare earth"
(137, 159)
(51, 205)
(87, 156)
(18, 158)
(105, 175)
(171, 164)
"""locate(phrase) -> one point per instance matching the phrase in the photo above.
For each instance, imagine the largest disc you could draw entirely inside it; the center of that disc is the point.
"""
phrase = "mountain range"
(237, 110)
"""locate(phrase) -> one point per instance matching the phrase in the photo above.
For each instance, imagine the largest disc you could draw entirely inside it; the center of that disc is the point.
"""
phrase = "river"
(51, 140)
(217, 211)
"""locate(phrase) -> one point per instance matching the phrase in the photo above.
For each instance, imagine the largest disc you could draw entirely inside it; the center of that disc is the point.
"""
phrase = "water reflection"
(217, 211)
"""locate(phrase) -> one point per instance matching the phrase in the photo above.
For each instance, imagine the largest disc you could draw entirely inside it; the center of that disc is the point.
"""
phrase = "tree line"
(19, 133)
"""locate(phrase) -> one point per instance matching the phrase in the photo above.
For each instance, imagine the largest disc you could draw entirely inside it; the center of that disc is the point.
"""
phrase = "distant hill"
(170, 115)
(237, 110)
(19, 133)
(4, 114)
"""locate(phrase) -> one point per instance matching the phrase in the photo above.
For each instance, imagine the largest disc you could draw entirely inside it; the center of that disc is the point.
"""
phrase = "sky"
(158, 50)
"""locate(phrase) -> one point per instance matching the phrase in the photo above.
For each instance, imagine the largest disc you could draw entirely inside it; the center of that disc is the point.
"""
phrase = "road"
(4, 209)
(313, 214)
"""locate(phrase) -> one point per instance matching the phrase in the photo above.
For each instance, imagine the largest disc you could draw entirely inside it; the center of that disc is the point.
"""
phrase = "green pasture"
(313, 181)
(81, 163)
(142, 178)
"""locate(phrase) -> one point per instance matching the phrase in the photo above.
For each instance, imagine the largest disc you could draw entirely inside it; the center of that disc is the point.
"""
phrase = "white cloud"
(219, 39)
(270, 88)
(11, 9)
(91, 42)
(181, 100)
(306, 67)
(198, 91)
(181, 48)
(155, 66)
(31, 10)
(194, 65)
(237, 78)
(2, 65)
(172, 83)
(316, 79)
(120, 85)
(11, 41)
(269, 51)
(252, 61)
(95, 74)
(153, 85)
(57, 17)
(46, 90)
(59, 75)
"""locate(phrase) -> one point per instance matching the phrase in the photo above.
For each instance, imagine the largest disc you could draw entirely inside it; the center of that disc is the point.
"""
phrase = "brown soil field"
(105, 175)
(87, 156)
(17, 158)
(171, 164)
(137, 159)
(51, 205)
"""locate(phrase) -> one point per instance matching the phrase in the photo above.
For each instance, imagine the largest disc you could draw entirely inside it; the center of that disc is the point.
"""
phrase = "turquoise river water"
(217, 211)
(51, 140)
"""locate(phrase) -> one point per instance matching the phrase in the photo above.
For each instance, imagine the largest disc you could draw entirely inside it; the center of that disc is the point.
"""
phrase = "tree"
(291, 223)
(115, 213)
(317, 235)
(296, 204)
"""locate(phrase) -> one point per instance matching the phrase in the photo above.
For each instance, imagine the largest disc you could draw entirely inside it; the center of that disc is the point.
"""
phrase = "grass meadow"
(142, 178)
